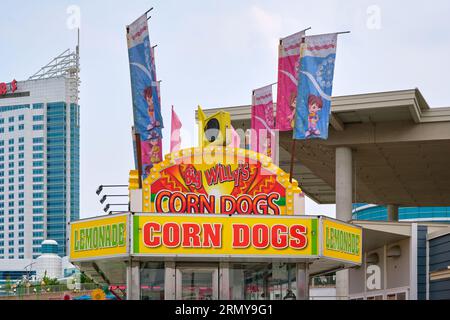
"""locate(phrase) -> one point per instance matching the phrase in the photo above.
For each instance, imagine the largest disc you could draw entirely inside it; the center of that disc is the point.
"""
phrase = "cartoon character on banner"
(315, 104)
(148, 95)
(293, 98)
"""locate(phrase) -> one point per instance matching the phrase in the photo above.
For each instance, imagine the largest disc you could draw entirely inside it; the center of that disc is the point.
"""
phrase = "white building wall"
(41, 92)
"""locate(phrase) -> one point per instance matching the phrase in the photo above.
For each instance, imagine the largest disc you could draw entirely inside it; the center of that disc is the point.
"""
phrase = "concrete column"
(392, 211)
(342, 284)
(133, 280)
(344, 165)
(302, 281)
(224, 281)
(169, 281)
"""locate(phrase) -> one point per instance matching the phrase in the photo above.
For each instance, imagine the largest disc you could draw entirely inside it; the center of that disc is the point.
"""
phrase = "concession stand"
(213, 223)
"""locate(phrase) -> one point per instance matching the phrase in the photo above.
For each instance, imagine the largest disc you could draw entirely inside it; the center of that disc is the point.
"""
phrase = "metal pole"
(139, 157)
(291, 172)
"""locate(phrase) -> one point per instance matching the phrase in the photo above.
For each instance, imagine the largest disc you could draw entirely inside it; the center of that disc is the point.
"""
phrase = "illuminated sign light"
(99, 237)
(209, 235)
(215, 235)
(219, 180)
(177, 202)
(342, 241)
(8, 87)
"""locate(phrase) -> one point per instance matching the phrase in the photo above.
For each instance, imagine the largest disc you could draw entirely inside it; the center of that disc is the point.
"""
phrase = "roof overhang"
(400, 149)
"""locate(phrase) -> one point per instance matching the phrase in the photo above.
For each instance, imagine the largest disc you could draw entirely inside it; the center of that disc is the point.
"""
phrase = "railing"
(7, 291)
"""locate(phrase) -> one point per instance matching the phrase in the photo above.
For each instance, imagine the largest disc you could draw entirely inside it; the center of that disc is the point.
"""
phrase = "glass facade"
(56, 174)
(379, 213)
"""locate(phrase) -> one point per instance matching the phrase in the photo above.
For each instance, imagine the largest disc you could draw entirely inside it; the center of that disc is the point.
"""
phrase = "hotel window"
(21, 179)
(21, 211)
(2, 130)
(21, 147)
(21, 171)
(11, 141)
(11, 188)
(38, 106)
(21, 117)
(21, 226)
(21, 155)
(38, 187)
(38, 127)
(11, 219)
(21, 250)
(2, 151)
(21, 219)
(21, 126)
(11, 196)
(21, 187)
(21, 163)
(11, 149)
(21, 203)
(11, 128)
(21, 195)
(11, 180)
(2, 121)
(38, 118)
(38, 164)
(21, 140)
(21, 234)
(38, 156)
(38, 140)
(38, 148)
(2, 143)
(11, 228)
(11, 119)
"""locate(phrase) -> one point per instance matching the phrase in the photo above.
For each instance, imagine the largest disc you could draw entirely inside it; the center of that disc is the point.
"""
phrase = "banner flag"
(148, 121)
(315, 87)
(175, 136)
(262, 122)
(288, 68)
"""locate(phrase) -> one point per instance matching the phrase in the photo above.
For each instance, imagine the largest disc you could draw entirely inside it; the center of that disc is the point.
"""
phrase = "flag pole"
(291, 173)
(137, 138)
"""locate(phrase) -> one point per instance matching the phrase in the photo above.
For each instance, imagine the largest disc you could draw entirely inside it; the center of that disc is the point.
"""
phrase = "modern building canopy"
(400, 147)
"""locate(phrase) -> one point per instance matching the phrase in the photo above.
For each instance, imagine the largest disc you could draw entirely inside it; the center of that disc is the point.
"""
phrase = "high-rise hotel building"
(39, 159)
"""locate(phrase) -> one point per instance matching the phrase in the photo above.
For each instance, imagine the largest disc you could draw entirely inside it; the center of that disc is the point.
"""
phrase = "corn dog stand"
(213, 223)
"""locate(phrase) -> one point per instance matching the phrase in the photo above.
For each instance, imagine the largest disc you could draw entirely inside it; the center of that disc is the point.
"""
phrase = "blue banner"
(318, 55)
(148, 121)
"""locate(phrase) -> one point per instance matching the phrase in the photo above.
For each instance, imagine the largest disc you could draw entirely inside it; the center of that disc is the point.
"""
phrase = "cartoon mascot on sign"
(315, 104)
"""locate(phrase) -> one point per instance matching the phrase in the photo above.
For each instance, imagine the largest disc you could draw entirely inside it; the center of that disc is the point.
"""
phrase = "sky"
(214, 53)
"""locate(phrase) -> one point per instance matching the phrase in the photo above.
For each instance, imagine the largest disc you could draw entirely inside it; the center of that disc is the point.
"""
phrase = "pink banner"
(175, 136)
(262, 121)
(288, 70)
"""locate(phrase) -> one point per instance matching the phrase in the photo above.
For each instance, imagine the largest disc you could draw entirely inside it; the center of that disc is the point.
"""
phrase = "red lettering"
(177, 206)
(298, 237)
(260, 236)
(279, 236)
(212, 175)
(150, 240)
(191, 235)
(241, 236)
(227, 205)
(212, 235)
(247, 201)
(209, 205)
(13, 86)
(3, 88)
(171, 235)
(271, 203)
(192, 203)
(159, 199)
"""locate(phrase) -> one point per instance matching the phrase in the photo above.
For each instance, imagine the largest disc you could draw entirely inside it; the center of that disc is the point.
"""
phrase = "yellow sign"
(99, 237)
(212, 235)
(341, 241)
